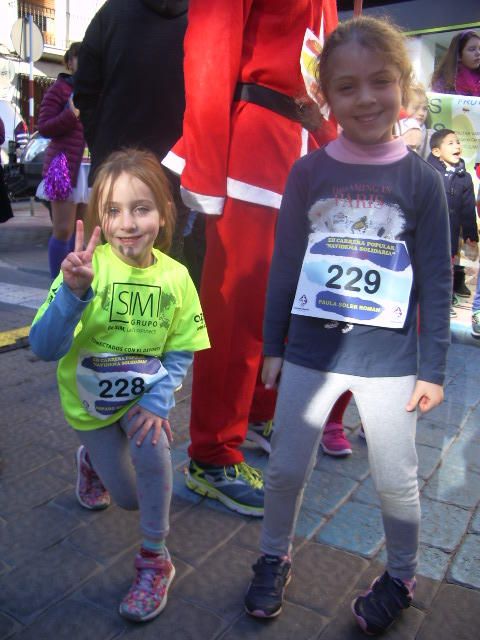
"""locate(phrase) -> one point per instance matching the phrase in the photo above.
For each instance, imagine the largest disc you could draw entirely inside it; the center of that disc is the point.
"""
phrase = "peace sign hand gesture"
(77, 266)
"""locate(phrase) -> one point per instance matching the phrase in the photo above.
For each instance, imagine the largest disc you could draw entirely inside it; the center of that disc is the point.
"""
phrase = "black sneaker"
(239, 486)
(264, 596)
(463, 291)
(382, 604)
(459, 286)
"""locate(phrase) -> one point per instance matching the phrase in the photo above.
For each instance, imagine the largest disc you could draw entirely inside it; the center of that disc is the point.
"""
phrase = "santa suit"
(234, 159)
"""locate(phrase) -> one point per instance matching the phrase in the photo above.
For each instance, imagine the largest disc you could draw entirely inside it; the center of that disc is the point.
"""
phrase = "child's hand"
(471, 249)
(426, 396)
(145, 422)
(77, 266)
(272, 365)
(73, 108)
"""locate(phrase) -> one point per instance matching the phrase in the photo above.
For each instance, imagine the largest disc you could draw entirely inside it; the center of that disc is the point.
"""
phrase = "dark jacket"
(129, 84)
(5, 206)
(57, 121)
(461, 201)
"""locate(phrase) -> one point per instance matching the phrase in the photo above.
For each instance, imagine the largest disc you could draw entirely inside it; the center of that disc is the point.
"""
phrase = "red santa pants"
(227, 391)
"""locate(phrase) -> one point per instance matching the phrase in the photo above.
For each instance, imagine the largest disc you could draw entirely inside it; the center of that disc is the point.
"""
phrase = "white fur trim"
(203, 203)
(174, 163)
(251, 193)
(235, 189)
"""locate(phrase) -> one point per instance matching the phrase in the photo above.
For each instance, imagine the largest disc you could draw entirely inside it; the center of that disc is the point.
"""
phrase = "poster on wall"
(462, 115)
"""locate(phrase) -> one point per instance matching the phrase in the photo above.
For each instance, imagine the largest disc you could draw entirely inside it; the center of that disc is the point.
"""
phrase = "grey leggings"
(136, 477)
(305, 399)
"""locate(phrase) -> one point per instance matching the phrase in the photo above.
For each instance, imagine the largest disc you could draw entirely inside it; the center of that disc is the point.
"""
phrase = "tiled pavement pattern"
(63, 570)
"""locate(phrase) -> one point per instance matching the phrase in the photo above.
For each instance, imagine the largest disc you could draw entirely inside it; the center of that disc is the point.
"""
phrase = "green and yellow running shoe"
(239, 486)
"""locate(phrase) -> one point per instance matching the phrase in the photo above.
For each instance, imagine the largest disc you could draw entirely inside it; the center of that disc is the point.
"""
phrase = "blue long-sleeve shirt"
(129, 340)
(401, 200)
(51, 337)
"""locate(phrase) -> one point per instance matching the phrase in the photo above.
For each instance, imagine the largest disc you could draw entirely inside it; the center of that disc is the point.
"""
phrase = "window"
(43, 12)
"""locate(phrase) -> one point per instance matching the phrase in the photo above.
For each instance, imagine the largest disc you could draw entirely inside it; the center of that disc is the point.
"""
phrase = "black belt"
(280, 103)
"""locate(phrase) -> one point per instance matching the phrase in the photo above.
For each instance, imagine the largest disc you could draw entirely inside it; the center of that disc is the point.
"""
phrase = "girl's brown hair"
(446, 72)
(376, 34)
(72, 52)
(140, 164)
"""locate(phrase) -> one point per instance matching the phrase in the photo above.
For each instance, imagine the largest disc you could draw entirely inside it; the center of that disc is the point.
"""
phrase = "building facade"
(430, 25)
(60, 22)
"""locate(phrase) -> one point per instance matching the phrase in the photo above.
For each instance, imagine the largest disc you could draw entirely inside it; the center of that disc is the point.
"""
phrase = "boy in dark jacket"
(476, 297)
(445, 157)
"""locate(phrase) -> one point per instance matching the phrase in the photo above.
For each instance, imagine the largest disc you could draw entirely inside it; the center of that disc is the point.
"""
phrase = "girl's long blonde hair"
(140, 164)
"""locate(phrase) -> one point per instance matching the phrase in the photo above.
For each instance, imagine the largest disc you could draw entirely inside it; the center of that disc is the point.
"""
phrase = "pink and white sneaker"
(334, 441)
(147, 596)
(89, 489)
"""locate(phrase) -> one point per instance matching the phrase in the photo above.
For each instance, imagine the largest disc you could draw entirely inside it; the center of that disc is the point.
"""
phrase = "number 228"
(137, 387)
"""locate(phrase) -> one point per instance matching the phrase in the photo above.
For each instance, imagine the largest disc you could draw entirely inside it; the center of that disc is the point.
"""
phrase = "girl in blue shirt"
(362, 242)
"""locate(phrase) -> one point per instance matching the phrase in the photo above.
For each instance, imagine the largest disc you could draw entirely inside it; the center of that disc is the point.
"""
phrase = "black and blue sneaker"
(264, 597)
(378, 608)
(239, 486)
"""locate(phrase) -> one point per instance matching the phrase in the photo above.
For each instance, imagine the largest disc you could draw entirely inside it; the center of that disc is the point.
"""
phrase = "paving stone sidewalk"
(63, 569)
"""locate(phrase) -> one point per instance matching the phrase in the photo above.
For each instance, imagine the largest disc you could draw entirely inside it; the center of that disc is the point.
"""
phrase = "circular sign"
(21, 39)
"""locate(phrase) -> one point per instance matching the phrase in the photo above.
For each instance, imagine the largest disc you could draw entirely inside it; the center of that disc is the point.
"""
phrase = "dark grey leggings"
(136, 477)
(305, 399)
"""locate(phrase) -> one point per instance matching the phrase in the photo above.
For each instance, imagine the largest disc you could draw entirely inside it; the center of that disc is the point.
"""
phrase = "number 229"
(371, 277)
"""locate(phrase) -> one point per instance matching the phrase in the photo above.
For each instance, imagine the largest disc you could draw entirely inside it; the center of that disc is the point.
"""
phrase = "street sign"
(21, 40)
(28, 42)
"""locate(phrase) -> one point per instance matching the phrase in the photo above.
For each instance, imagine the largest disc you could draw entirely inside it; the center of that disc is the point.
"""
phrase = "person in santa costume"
(246, 120)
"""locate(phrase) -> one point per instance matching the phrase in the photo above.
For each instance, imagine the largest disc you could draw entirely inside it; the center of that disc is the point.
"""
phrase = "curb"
(15, 236)
(14, 339)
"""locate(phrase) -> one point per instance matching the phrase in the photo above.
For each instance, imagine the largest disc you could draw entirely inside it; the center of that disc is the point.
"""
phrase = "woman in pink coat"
(65, 185)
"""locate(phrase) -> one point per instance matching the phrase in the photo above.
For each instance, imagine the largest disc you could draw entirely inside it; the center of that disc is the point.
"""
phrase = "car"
(31, 160)
(24, 176)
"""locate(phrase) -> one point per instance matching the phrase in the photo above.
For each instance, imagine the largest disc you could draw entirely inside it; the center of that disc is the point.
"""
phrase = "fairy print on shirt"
(355, 269)
(366, 212)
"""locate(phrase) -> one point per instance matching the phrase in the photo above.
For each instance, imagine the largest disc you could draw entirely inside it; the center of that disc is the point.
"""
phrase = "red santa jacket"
(235, 148)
